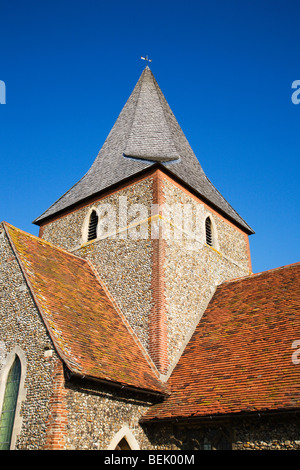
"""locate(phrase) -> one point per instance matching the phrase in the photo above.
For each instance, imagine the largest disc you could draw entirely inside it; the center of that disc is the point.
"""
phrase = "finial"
(147, 59)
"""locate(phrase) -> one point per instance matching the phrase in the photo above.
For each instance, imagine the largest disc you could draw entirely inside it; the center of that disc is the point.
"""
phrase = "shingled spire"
(150, 136)
(145, 134)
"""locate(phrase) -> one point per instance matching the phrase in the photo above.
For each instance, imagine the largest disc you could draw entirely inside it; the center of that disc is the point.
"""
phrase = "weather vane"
(147, 59)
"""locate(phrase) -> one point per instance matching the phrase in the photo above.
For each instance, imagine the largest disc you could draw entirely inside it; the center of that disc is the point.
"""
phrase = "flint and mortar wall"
(162, 286)
(22, 327)
(268, 432)
(66, 231)
(97, 413)
(124, 264)
(92, 414)
(193, 269)
(279, 432)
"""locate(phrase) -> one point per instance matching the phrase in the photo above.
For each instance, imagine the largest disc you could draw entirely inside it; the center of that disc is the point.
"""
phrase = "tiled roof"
(239, 358)
(146, 133)
(89, 333)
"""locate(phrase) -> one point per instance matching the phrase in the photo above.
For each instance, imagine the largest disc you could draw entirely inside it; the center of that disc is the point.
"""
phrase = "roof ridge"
(145, 133)
(24, 249)
(261, 273)
(41, 241)
(138, 84)
(124, 319)
(159, 92)
(150, 137)
(56, 344)
(226, 202)
(240, 353)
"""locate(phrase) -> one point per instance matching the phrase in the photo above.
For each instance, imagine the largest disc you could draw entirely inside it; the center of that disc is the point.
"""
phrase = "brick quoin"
(158, 330)
(57, 421)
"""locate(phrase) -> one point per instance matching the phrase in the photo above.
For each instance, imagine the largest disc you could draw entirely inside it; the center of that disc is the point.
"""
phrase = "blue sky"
(225, 68)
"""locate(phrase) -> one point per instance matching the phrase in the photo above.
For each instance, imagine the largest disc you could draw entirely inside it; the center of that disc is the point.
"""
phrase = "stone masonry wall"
(193, 269)
(157, 283)
(267, 432)
(66, 231)
(279, 432)
(97, 413)
(125, 268)
(91, 414)
(123, 261)
(21, 326)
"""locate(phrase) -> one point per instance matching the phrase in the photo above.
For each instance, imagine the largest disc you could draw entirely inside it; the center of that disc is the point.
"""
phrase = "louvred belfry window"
(208, 231)
(92, 233)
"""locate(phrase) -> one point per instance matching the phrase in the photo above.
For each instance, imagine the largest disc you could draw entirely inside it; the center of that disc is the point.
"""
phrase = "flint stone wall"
(268, 432)
(97, 413)
(124, 264)
(21, 326)
(193, 269)
(66, 231)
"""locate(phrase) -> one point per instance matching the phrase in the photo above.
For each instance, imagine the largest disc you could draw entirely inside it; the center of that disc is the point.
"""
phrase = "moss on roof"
(90, 334)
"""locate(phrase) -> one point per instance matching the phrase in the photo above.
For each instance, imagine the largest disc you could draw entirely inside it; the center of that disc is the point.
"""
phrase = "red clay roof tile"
(89, 333)
(239, 358)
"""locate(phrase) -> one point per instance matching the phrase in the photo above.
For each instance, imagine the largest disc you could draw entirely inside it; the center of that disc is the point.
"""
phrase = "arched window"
(208, 232)
(9, 405)
(124, 440)
(123, 445)
(92, 231)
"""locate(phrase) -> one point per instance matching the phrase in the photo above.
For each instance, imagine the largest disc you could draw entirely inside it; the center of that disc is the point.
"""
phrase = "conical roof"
(146, 133)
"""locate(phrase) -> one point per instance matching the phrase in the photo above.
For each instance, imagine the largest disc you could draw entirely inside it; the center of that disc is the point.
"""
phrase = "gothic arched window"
(92, 231)
(123, 440)
(123, 445)
(9, 404)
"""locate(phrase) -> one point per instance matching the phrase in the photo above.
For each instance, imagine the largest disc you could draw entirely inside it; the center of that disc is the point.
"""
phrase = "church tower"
(146, 216)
